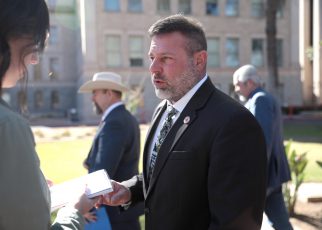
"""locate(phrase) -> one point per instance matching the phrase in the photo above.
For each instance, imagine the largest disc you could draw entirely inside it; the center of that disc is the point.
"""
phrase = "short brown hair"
(189, 27)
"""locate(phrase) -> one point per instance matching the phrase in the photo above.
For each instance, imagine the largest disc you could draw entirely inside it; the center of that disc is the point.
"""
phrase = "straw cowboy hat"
(103, 80)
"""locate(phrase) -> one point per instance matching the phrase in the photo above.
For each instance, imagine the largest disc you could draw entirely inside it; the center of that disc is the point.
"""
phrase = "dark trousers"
(276, 211)
(126, 225)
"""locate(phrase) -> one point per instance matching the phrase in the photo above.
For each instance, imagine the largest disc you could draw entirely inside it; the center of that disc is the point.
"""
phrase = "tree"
(273, 79)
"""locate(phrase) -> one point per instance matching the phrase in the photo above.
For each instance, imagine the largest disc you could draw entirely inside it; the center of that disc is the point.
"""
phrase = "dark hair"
(21, 18)
(189, 27)
(117, 93)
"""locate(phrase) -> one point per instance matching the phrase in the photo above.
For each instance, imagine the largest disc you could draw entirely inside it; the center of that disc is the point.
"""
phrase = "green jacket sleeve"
(24, 197)
(68, 218)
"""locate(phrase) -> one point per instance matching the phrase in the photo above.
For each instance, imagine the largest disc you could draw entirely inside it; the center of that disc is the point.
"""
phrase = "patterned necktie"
(162, 135)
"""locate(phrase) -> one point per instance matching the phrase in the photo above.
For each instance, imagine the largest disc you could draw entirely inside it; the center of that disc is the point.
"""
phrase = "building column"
(317, 50)
(88, 64)
(305, 62)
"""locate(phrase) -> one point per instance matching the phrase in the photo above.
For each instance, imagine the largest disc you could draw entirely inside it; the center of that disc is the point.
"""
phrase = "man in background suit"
(203, 175)
(116, 146)
(268, 113)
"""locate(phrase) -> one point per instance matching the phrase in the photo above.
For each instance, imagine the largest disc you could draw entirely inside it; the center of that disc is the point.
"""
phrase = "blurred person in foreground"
(116, 146)
(198, 170)
(268, 114)
(25, 197)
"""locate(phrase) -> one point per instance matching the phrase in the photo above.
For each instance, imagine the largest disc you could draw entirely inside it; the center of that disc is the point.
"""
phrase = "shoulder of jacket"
(12, 119)
(159, 106)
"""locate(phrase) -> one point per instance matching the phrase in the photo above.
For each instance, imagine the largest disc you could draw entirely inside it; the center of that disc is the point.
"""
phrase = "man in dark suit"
(268, 113)
(199, 171)
(116, 146)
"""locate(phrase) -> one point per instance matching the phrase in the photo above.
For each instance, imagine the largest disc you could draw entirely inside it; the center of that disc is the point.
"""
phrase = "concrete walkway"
(310, 192)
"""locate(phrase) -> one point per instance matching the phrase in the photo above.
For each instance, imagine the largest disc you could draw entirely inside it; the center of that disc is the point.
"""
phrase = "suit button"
(146, 210)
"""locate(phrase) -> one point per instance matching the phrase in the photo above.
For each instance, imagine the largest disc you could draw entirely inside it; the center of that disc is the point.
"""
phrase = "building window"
(213, 52)
(38, 69)
(53, 68)
(136, 50)
(232, 52)
(257, 55)
(38, 99)
(113, 50)
(54, 100)
(257, 8)
(112, 5)
(163, 6)
(185, 6)
(212, 7)
(280, 9)
(279, 52)
(232, 7)
(22, 100)
(134, 6)
(53, 37)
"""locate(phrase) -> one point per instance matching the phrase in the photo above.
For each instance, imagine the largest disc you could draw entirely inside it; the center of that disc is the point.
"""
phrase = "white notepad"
(96, 183)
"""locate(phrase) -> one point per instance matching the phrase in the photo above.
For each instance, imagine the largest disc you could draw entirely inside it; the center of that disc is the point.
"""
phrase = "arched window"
(54, 100)
(38, 99)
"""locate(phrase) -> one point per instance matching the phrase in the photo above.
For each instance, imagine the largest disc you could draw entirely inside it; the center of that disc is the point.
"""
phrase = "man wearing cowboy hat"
(116, 146)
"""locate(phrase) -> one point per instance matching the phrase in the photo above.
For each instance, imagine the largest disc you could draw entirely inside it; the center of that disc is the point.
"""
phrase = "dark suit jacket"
(116, 148)
(210, 172)
(268, 113)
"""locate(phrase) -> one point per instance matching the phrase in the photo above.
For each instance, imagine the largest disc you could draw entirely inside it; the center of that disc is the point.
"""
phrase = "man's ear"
(200, 58)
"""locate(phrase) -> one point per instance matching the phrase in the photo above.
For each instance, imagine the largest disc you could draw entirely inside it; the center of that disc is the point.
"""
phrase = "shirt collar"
(253, 92)
(110, 108)
(181, 104)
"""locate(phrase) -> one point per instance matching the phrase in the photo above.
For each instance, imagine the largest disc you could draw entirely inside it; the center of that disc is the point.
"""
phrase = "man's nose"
(155, 66)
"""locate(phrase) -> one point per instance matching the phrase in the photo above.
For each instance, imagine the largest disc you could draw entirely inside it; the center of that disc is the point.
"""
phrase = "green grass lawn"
(62, 160)
(306, 136)
(300, 129)
(313, 173)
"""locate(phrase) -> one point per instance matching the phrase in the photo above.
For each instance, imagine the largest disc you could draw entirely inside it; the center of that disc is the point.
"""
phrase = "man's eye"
(165, 59)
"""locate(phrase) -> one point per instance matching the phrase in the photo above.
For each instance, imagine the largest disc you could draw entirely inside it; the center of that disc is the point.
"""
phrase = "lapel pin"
(186, 120)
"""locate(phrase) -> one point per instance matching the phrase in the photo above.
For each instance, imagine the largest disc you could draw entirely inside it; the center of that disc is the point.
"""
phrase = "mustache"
(156, 77)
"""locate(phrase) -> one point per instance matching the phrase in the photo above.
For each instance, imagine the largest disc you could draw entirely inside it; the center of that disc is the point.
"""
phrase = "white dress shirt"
(110, 108)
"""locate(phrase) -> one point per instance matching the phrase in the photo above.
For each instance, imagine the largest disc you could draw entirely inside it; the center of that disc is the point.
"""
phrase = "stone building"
(114, 38)
(52, 84)
(311, 36)
(89, 36)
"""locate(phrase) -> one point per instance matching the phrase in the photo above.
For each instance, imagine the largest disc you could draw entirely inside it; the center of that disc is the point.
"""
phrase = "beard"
(97, 109)
(179, 86)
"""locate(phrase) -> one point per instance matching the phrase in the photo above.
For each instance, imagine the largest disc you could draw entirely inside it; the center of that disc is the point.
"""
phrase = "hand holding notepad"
(94, 184)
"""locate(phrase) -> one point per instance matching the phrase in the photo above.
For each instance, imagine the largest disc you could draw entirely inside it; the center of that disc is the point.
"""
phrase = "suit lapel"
(92, 152)
(186, 118)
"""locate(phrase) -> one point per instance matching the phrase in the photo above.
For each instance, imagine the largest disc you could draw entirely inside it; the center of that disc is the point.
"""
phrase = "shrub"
(39, 134)
(319, 163)
(298, 163)
(66, 133)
